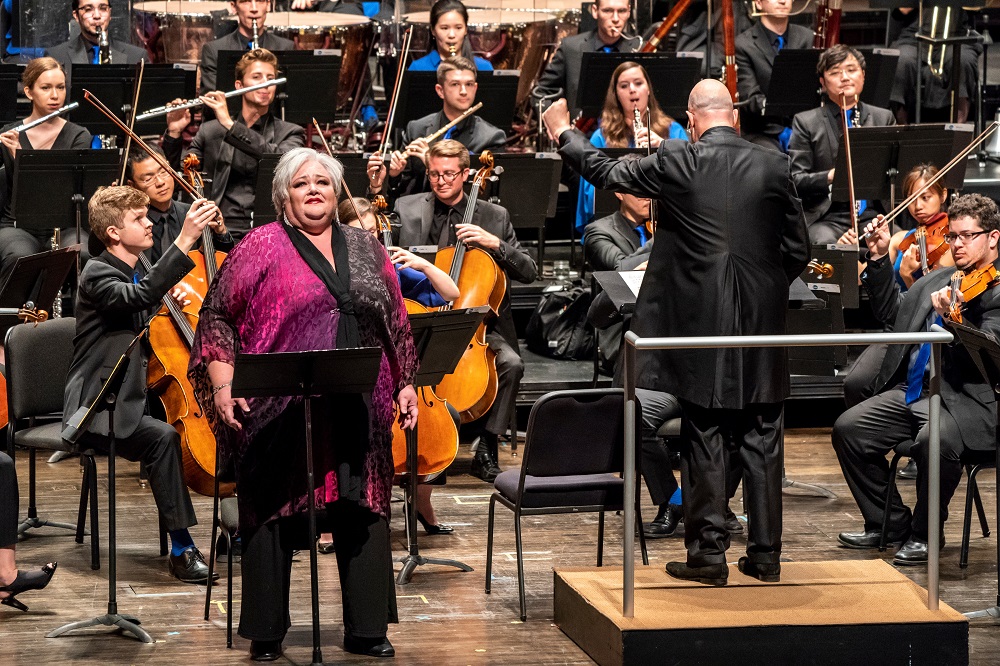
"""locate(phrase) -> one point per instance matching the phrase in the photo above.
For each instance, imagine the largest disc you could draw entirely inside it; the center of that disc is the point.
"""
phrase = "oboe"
(103, 47)
(637, 125)
(255, 42)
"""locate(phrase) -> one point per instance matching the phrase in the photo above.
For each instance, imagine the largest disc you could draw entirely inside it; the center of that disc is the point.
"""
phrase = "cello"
(472, 388)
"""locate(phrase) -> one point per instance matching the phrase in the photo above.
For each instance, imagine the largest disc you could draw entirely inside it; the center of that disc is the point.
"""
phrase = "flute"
(38, 121)
(465, 114)
(167, 108)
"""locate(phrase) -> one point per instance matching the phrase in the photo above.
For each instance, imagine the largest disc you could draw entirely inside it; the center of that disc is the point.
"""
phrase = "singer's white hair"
(289, 165)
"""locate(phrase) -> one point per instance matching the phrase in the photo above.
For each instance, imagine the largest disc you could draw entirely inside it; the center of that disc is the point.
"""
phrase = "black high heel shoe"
(25, 581)
(432, 529)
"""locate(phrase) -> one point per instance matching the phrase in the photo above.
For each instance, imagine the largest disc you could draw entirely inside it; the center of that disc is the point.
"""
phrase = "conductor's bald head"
(709, 105)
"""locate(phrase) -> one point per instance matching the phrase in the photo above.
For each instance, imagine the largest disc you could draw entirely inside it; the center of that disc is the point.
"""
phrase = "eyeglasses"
(839, 72)
(966, 236)
(446, 176)
(159, 175)
(90, 9)
(613, 11)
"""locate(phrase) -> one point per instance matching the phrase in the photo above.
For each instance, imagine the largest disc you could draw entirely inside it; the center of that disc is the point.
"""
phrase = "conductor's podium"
(844, 612)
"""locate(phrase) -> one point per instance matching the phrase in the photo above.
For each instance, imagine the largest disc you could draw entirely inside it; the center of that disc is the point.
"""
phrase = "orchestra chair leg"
(489, 543)
(95, 541)
(890, 488)
(520, 565)
(972, 498)
(81, 517)
(212, 549)
(600, 539)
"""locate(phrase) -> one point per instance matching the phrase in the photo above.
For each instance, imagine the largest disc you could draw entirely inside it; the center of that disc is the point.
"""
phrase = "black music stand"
(497, 90)
(35, 280)
(794, 86)
(882, 156)
(311, 89)
(308, 374)
(671, 75)
(112, 84)
(75, 428)
(355, 172)
(984, 348)
(605, 201)
(263, 208)
(528, 178)
(10, 77)
(440, 339)
(880, 72)
(161, 84)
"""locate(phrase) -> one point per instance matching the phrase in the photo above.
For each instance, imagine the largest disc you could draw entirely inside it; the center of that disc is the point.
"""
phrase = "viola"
(971, 286)
(930, 241)
(472, 388)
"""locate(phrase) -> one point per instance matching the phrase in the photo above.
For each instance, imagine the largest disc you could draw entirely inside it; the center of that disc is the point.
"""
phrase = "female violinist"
(928, 211)
(45, 86)
(449, 32)
(620, 128)
(425, 283)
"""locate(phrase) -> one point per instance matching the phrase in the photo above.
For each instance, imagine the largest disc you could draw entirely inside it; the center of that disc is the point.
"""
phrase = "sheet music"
(633, 279)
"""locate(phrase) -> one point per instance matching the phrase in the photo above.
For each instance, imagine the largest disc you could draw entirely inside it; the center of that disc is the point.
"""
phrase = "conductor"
(733, 239)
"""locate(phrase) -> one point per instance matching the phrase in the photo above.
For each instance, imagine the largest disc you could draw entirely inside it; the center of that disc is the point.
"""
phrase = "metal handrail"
(936, 337)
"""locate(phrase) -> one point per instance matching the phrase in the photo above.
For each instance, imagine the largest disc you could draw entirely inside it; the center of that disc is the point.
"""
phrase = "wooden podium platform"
(847, 612)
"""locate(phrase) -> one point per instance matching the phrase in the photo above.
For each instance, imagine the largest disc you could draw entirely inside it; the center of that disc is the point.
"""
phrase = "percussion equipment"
(510, 38)
(175, 30)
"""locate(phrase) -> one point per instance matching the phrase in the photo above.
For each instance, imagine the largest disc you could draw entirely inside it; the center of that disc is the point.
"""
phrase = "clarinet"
(637, 124)
(255, 42)
(103, 48)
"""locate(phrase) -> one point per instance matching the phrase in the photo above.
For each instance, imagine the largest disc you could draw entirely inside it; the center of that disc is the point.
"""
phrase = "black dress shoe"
(713, 574)
(908, 471)
(668, 518)
(26, 581)
(433, 529)
(372, 647)
(325, 547)
(483, 465)
(265, 650)
(190, 567)
(913, 552)
(733, 524)
(870, 538)
(768, 573)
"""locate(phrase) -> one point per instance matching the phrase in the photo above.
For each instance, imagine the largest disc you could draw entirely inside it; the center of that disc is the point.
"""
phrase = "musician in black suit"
(818, 134)
(563, 71)
(456, 86)
(756, 49)
(435, 218)
(116, 298)
(730, 239)
(898, 409)
(93, 16)
(167, 214)
(229, 149)
(240, 39)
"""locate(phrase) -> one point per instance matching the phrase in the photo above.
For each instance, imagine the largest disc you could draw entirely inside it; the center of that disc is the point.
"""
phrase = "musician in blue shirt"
(449, 29)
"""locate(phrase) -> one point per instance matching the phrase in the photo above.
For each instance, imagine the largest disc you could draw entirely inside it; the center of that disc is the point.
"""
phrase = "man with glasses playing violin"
(93, 17)
(435, 218)
(898, 410)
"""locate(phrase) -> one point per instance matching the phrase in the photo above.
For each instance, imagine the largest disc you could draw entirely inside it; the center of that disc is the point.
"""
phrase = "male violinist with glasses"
(898, 409)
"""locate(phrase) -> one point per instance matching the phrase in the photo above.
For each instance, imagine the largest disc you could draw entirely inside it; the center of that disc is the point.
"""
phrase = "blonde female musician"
(629, 91)
(45, 86)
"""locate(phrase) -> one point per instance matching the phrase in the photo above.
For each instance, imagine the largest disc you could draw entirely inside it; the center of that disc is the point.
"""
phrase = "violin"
(971, 286)
(437, 436)
(28, 312)
(472, 388)
(930, 241)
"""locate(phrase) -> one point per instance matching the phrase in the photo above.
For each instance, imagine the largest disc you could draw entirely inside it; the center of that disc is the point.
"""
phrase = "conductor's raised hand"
(556, 118)
(407, 403)
(878, 238)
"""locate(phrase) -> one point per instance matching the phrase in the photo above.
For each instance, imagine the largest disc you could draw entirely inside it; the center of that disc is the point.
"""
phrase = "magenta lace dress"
(266, 299)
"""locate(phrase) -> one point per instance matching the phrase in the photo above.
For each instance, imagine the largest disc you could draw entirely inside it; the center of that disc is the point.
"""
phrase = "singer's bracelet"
(216, 389)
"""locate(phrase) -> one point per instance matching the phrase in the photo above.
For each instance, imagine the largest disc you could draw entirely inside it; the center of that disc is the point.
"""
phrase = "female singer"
(430, 286)
(629, 91)
(346, 295)
(12, 581)
(45, 86)
(449, 28)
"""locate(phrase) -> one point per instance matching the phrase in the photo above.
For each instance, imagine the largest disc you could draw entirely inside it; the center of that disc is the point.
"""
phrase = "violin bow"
(850, 169)
(343, 181)
(391, 117)
(955, 161)
(140, 69)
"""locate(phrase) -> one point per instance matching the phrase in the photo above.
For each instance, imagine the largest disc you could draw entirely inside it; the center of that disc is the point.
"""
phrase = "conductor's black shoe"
(483, 465)
(666, 522)
(733, 524)
(913, 552)
(265, 650)
(190, 567)
(908, 471)
(768, 573)
(712, 574)
(870, 538)
(372, 647)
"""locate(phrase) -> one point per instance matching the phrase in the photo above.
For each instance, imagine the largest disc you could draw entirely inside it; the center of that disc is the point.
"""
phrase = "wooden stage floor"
(445, 616)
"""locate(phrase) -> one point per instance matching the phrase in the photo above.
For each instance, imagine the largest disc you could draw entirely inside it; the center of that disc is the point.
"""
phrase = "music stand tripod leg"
(129, 624)
(317, 657)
